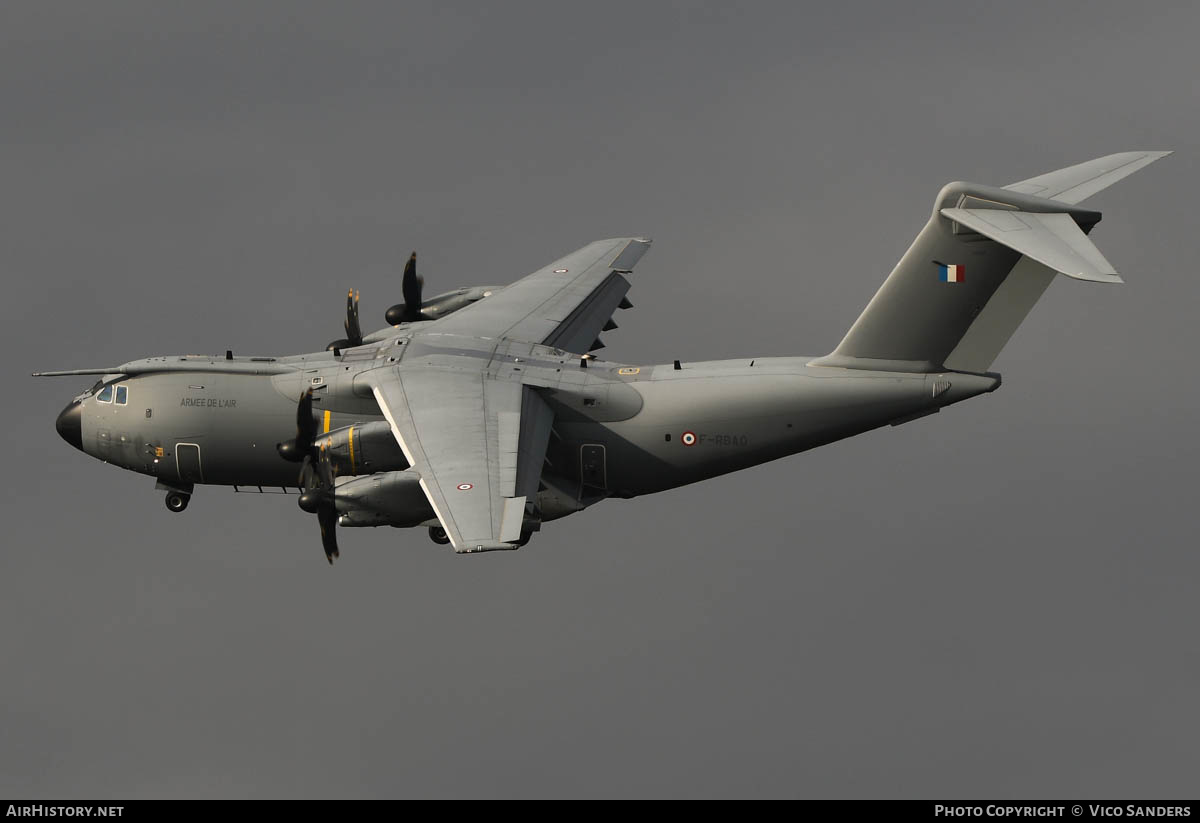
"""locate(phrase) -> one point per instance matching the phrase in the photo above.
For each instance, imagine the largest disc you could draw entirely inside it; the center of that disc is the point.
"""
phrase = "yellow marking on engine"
(328, 414)
(352, 469)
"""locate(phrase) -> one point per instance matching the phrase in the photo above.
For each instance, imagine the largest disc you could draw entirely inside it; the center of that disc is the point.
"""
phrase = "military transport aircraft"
(481, 414)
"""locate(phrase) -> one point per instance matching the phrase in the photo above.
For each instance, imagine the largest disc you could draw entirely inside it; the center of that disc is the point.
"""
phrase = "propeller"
(353, 329)
(316, 473)
(410, 310)
(316, 478)
(301, 447)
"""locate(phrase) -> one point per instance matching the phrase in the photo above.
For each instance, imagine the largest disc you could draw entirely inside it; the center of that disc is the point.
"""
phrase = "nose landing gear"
(178, 494)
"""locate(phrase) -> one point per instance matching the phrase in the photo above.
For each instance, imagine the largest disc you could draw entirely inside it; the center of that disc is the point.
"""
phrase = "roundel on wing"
(465, 487)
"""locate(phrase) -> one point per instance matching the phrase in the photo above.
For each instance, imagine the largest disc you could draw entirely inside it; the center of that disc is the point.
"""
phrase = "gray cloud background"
(998, 600)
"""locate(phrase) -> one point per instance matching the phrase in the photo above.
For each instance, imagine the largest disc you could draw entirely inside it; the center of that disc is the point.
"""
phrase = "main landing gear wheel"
(438, 535)
(177, 501)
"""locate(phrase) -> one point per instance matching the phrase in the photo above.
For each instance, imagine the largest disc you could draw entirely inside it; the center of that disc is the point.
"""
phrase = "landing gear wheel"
(177, 501)
(438, 535)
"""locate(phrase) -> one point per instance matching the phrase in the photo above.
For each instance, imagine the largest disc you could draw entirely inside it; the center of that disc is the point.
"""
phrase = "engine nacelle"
(443, 304)
(363, 449)
(384, 499)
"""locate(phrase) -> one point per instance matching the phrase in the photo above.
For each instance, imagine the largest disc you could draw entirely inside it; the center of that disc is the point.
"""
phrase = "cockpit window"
(105, 395)
(122, 395)
(96, 386)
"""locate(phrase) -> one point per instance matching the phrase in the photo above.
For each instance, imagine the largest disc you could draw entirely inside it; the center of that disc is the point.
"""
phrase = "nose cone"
(70, 424)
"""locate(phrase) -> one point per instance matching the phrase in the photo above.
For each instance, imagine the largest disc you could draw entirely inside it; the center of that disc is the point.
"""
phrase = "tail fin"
(980, 264)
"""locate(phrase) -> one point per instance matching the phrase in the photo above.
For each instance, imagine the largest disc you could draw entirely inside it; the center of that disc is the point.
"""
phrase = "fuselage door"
(187, 458)
(591, 466)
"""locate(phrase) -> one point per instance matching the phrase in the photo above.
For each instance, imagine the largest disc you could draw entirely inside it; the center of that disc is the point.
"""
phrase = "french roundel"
(465, 487)
(688, 438)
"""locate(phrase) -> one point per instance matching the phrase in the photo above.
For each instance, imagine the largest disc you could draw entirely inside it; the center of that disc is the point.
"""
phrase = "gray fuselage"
(619, 430)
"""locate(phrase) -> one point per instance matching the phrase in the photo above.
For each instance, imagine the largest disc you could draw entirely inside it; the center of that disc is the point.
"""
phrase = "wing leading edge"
(565, 304)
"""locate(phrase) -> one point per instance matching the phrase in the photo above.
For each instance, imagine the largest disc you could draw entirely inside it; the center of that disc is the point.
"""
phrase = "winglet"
(630, 254)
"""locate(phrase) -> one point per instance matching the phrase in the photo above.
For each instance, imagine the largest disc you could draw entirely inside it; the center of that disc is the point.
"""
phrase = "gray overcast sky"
(998, 600)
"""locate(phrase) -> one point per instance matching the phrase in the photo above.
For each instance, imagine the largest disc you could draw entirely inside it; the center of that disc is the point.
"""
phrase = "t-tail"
(981, 262)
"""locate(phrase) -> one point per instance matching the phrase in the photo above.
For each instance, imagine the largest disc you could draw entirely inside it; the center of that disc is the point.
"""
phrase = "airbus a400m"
(482, 414)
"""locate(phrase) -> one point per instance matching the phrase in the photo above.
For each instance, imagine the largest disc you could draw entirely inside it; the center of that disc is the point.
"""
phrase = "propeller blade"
(322, 500)
(411, 286)
(307, 478)
(306, 426)
(325, 470)
(327, 517)
(311, 495)
(353, 329)
(306, 429)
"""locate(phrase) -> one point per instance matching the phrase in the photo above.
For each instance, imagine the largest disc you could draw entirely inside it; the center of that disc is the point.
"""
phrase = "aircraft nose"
(69, 424)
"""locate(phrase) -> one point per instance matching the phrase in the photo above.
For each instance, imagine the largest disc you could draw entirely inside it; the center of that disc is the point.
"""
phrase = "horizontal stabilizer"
(1075, 184)
(1054, 240)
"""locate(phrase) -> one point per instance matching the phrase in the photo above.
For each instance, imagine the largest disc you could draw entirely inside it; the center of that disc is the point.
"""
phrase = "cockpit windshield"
(112, 393)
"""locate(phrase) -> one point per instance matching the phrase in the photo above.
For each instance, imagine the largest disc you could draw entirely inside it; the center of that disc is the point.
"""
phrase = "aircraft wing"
(566, 304)
(477, 443)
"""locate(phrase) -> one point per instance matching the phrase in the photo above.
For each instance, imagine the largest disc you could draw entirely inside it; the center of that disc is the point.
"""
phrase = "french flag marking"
(951, 273)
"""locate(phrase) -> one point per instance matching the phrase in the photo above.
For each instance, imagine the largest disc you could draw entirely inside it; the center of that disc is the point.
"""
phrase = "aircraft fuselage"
(620, 431)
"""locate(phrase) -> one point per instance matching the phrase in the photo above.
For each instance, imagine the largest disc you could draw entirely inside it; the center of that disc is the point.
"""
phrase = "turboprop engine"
(363, 449)
(414, 309)
(383, 499)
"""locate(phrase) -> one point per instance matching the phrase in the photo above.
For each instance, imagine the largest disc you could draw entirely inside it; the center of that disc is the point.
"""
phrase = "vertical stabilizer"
(981, 262)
